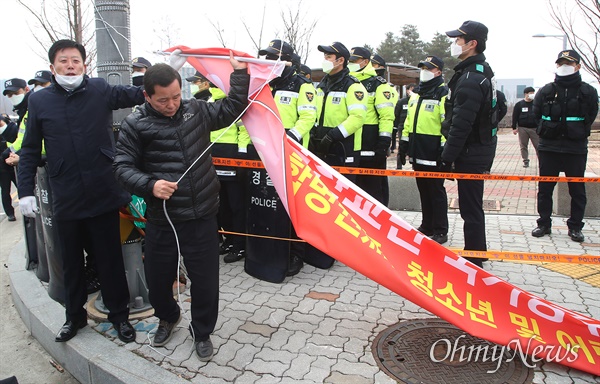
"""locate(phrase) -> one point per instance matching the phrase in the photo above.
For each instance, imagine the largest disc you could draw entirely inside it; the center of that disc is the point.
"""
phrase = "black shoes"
(164, 332)
(125, 331)
(525, 163)
(440, 238)
(12, 218)
(295, 266)
(576, 235)
(69, 330)
(541, 230)
(204, 349)
(234, 255)
(424, 231)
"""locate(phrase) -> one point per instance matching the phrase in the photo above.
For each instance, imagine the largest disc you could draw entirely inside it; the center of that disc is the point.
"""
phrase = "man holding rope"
(162, 157)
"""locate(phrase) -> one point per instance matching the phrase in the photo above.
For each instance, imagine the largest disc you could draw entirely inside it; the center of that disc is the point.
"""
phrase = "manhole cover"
(488, 205)
(434, 351)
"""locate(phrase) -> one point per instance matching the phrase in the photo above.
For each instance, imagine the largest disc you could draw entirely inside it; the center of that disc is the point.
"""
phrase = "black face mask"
(380, 71)
(138, 81)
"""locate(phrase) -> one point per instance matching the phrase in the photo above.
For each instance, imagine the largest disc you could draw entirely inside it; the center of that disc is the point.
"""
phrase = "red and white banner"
(340, 219)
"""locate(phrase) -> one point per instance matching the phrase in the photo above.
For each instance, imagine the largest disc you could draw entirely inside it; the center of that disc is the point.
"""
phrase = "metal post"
(114, 47)
(564, 42)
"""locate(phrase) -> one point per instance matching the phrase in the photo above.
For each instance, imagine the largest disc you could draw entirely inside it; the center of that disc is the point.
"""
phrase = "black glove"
(332, 136)
(382, 148)
(402, 150)
(293, 136)
(445, 167)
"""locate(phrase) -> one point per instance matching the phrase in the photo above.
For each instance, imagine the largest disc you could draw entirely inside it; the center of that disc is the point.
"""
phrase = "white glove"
(28, 206)
(176, 61)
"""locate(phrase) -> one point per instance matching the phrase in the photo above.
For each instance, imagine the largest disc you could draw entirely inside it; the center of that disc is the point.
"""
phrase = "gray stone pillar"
(113, 47)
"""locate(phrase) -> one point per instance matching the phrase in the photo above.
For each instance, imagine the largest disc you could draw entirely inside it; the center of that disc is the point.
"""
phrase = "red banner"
(341, 220)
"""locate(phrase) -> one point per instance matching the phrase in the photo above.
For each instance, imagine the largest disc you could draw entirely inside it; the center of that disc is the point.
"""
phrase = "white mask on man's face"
(327, 66)
(354, 67)
(69, 82)
(455, 49)
(425, 75)
(565, 70)
(16, 99)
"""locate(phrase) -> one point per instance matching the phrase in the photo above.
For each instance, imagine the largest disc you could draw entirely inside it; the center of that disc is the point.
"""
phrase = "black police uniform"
(471, 141)
(566, 109)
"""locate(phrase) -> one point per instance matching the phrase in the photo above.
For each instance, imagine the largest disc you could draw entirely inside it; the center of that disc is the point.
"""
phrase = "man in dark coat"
(471, 140)
(73, 117)
(565, 110)
(162, 156)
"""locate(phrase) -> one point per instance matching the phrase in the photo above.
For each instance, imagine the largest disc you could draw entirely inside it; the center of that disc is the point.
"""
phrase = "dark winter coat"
(154, 147)
(77, 131)
(565, 110)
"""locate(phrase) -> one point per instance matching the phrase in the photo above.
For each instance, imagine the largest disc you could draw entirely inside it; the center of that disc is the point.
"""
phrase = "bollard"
(136, 279)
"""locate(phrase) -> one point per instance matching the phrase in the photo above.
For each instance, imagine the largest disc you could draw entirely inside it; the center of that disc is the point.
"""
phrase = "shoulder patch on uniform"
(381, 79)
(359, 95)
(387, 94)
(310, 96)
(479, 67)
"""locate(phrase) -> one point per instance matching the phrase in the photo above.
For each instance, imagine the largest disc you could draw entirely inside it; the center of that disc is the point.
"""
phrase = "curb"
(90, 357)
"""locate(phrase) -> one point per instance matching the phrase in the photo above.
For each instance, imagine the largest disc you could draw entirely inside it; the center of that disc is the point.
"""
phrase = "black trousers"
(434, 202)
(475, 158)
(573, 165)
(104, 240)
(7, 176)
(232, 210)
(376, 186)
(200, 250)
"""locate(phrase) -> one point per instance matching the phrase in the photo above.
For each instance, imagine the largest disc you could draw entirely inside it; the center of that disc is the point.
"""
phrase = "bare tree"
(219, 31)
(62, 19)
(582, 36)
(298, 29)
(168, 33)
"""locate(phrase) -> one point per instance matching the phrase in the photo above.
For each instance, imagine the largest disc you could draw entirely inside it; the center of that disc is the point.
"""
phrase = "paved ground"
(319, 326)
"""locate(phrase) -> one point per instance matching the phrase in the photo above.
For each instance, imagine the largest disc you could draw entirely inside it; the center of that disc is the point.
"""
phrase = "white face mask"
(354, 67)
(327, 66)
(565, 70)
(16, 99)
(69, 82)
(136, 74)
(194, 89)
(529, 96)
(426, 75)
(455, 49)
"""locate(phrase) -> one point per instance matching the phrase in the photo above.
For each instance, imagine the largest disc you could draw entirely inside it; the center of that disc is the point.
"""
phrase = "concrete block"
(404, 194)
(562, 200)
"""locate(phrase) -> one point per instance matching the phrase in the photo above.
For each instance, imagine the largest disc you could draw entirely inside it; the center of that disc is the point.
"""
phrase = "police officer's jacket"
(423, 124)
(566, 110)
(468, 108)
(341, 104)
(152, 146)
(379, 120)
(295, 97)
(77, 131)
(230, 142)
(523, 115)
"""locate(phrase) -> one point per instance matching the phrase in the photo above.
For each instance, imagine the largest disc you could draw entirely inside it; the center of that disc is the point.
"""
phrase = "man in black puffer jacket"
(162, 157)
(471, 131)
(565, 109)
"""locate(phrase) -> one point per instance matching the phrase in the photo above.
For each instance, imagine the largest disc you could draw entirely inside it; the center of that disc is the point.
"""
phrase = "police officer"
(341, 111)
(423, 142)
(399, 117)
(139, 66)
(295, 97)
(471, 127)
(377, 129)
(565, 109)
(524, 124)
(201, 87)
(229, 142)
(305, 71)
